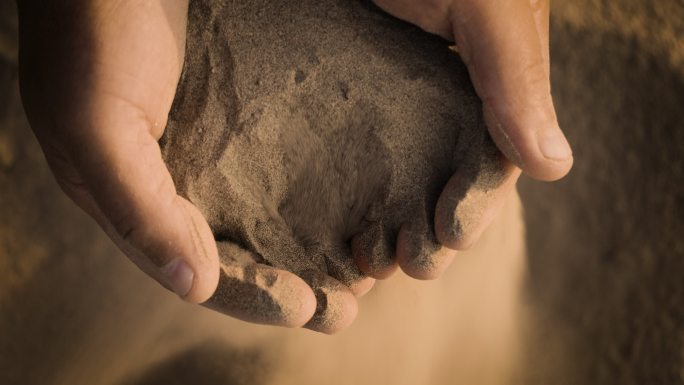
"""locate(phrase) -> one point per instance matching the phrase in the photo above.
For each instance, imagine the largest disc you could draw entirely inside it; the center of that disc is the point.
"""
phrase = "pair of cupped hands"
(98, 78)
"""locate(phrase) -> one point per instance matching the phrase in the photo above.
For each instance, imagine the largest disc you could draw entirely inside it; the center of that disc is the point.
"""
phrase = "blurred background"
(606, 244)
(591, 292)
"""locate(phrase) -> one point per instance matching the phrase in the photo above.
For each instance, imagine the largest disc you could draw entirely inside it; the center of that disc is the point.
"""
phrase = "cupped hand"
(505, 45)
(98, 78)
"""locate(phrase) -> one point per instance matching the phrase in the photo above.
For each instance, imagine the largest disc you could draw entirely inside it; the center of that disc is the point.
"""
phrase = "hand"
(505, 45)
(98, 79)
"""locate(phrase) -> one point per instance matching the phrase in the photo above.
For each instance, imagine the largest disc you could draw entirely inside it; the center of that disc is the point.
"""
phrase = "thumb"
(135, 201)
(505, 47)
(98, 109)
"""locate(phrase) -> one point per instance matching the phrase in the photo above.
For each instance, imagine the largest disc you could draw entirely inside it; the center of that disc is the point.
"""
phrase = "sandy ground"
(601, 287)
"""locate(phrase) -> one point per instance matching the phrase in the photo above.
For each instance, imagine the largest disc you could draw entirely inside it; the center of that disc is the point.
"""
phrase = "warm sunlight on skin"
(505, 45)
(100, 107)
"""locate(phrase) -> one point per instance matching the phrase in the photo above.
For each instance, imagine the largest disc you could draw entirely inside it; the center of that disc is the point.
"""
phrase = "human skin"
(98, 78)
(505, 45)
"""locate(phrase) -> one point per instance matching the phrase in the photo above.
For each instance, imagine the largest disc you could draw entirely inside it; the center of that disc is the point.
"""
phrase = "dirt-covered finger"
(336, 306)
(373, 251)
(258, 293)
(419, 254)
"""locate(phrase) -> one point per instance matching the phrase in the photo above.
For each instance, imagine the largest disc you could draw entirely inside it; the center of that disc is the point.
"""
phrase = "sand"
(605, 246)
(299, 125)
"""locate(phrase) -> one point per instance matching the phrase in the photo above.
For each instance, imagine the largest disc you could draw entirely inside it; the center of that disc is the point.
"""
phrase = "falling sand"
(605, 255)
(297, 126)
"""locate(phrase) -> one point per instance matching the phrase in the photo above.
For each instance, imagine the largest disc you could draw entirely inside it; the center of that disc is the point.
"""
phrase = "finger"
(419, 256)
(418, 252)
(122, 169)
(342, 267)
(258, 293)
(482, 180)
(362, 287)
(373, 251)
(502, 48)
(336, 306)
(463, 212)
(262, 294)
(70, 182)
(540, 10)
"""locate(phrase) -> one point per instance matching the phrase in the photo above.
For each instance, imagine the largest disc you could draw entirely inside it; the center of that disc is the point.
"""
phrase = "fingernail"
(179, 276)
(553, 144)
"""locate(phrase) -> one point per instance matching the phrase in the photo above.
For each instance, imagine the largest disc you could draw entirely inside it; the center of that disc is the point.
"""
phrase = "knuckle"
(532, 77)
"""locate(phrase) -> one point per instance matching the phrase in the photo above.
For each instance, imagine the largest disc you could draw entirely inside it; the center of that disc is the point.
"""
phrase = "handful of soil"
(297, 125)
